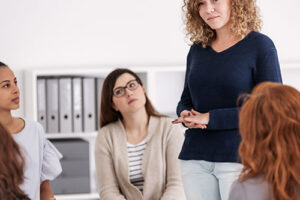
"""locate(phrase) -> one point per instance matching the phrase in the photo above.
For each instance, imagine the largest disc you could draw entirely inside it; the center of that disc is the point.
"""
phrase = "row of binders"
(69, 104)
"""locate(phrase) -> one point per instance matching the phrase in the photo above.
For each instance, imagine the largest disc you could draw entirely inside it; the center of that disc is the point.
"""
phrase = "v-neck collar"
(229, 49)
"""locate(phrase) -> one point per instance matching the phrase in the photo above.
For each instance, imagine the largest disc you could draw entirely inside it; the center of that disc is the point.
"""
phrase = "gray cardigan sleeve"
(107, 183)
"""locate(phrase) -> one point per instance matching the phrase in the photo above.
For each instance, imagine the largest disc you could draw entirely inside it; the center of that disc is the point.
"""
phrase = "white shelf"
(91, 196)
(71, 135)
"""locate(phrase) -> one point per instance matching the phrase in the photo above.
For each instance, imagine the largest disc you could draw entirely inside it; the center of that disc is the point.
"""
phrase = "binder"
(99, 85)
(77, 105)
(65, 105)
(41, 102)
(89, 105)
(52, 105)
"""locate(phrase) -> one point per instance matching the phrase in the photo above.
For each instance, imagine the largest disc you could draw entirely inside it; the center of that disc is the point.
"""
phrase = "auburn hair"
(11, 168)
(107, 113)
(245, 18)
(269, 124)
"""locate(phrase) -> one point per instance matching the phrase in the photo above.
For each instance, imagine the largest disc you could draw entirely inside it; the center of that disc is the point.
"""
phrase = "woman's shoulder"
(166, 126)
(110, 130)
(196, 46)
(32, 127)
(252, 188)
(260, 39)
(255, 181)
(165, 121)
(108, 127)
(33, 124)
(32, 136)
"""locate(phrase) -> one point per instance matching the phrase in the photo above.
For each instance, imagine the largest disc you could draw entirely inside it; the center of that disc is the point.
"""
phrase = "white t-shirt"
(41, 158)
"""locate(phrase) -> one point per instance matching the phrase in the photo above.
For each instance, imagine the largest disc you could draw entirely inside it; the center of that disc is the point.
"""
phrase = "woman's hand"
(184, 113)
(46, 191)
(197, 119)
(193, 119)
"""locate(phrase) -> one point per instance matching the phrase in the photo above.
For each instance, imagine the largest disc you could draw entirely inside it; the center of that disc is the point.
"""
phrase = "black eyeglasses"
(120, 91)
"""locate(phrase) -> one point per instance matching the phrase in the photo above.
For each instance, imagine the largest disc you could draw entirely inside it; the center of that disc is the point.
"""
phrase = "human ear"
(115, 107)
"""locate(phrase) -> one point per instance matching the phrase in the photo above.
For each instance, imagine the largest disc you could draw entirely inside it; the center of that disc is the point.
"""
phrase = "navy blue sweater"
(213, 83)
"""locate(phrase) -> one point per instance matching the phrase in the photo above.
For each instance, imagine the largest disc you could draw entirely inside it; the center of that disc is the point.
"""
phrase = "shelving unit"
(91, 196)
(163, 84)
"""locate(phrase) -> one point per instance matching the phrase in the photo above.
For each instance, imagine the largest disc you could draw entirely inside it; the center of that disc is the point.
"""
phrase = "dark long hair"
(108, 114)
(11, 168)
(269, 124)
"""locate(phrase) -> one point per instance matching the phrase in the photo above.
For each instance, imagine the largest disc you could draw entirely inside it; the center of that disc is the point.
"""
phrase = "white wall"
(281, 23)
(80, 33)
(38, 33)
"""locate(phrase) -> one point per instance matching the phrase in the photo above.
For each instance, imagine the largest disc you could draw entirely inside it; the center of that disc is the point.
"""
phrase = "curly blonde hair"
(245, 17)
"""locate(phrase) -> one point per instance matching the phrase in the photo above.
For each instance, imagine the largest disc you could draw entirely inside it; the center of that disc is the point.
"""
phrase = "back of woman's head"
(270, 128)
(11, 168)
(107, 113)
(244, 18)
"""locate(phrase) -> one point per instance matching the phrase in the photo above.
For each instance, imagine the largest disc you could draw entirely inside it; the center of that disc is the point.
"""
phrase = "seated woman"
(137, 148)
(270, 148)
(11, 168)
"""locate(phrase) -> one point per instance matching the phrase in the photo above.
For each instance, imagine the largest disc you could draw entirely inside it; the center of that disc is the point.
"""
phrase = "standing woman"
(11, 168)
(137, 148)
(228, 57)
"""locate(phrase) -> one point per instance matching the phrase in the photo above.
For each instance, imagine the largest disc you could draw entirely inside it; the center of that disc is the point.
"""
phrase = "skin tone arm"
(46, 191)
(193, 119)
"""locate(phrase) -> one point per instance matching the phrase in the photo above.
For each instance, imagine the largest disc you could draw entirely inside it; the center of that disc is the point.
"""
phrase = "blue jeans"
(203, 180)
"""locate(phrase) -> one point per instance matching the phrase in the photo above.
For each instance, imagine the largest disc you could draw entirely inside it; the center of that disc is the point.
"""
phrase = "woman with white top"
(41, 157)
(136, 148)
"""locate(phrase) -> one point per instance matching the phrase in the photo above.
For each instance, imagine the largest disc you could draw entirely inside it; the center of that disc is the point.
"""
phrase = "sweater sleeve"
(223, 118)
(185, 102)
(174, 188)
(267, 69)
(107, 183)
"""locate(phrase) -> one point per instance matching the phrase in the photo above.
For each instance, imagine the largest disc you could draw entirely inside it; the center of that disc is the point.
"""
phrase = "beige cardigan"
(161, 169)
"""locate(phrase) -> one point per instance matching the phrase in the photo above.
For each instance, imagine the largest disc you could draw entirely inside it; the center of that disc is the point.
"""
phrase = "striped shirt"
(135, 158)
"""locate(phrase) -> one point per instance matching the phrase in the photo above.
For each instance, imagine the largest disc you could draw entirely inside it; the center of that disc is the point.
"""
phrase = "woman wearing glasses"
(136, 148)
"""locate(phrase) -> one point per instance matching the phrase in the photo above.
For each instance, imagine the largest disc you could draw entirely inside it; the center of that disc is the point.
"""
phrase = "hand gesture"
(193, 119)
(197, 119)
